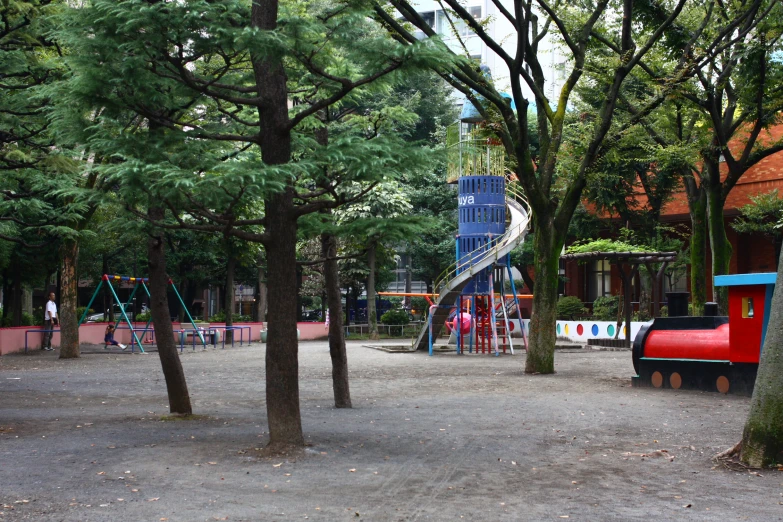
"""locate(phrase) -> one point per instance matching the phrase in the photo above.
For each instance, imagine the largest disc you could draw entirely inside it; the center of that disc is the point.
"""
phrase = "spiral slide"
(456, 280)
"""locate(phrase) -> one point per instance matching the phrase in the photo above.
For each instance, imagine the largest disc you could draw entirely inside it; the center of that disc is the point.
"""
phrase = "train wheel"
(657, 379)
(722, 383)
(675, 380)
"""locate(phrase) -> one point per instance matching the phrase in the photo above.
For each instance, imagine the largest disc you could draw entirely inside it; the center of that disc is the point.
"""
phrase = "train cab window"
(747, 307)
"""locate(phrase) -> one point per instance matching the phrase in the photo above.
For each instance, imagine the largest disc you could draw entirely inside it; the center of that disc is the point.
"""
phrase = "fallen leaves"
(651, 454)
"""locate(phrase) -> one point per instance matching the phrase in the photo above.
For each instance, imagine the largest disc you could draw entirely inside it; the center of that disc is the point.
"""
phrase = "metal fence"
(403, 331)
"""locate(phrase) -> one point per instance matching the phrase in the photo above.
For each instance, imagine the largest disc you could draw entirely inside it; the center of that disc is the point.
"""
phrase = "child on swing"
(108, 338)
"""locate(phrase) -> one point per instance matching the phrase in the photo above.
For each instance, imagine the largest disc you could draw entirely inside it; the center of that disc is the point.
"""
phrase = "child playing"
(109, 338)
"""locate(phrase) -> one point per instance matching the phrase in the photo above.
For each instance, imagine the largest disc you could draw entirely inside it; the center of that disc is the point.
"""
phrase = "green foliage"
(27, 320)
(762, 216)
(220, 317)
(604, 245)
(523, 256)
(605, 307)
(80, 311)
(396, 301)
(420, 305)
(143, 318)
(641, 315)
(570, 307)
(395, 317)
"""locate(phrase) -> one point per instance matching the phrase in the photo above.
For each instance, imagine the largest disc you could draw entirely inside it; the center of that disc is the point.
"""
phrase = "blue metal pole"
(516, 300)
(458, 325)
(430, 327)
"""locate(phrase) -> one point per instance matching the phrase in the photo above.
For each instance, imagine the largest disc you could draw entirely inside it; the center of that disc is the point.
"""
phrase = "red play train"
(708, 353)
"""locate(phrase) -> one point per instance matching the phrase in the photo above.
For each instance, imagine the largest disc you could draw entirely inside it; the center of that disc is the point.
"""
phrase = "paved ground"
(440, 438)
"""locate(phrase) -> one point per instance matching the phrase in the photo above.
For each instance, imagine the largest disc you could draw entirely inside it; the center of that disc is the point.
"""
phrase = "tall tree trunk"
(27, 300)
(342, 393)
(282, 349)
(17, 296)
(177, 387)
(261, 308)
(719, 244)
(698, 244)
(349, 302)
(541, 346)
(7, 297)
(372, 317)
(645, 294)
(230, 294)
(69, 323)
(762, 438)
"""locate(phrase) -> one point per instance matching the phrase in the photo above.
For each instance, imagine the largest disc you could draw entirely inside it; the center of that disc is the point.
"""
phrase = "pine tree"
(216, 79)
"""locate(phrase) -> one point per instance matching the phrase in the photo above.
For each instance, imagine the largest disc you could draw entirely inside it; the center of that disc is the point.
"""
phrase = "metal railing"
(475, 157)
(402, 331)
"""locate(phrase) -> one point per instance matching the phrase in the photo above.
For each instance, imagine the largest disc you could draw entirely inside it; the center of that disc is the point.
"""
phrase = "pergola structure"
(628, 266)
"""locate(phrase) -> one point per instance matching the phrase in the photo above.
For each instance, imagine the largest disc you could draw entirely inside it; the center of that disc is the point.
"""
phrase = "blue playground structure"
(493, 220)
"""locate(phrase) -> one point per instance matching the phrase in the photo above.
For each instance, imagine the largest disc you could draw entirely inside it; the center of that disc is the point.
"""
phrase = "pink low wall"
(12, 339)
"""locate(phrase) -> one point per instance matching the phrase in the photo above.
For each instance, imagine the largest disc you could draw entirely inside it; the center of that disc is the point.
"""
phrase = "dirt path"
(430, 438)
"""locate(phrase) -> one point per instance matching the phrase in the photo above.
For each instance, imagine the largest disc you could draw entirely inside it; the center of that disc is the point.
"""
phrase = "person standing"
(50, 321)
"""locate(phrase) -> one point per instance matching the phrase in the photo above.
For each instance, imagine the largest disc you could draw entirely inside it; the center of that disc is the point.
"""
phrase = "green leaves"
(762, 216)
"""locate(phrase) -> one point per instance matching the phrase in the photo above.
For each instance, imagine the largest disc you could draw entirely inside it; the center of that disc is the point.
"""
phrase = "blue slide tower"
(477, 165)
(493, 220)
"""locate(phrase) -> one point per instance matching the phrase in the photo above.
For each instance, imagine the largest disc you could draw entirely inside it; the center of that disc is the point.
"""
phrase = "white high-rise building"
(501, 31)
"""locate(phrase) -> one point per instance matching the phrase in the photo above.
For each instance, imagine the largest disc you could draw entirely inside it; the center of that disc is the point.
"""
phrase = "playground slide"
(458, 278)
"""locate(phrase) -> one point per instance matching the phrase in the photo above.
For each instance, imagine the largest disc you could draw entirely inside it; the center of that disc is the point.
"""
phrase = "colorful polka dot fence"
(580, 331)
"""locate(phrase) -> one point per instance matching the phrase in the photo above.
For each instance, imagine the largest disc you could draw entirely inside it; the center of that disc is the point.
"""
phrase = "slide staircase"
(455, 278)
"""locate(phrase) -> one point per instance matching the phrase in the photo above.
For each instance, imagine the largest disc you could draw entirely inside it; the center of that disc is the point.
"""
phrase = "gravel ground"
(429, 438)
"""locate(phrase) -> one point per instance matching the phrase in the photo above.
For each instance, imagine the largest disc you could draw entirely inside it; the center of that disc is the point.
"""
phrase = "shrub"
(27, 320)
(80, 311)
(220, 317)
(143, 318)
(419, 305)
(605, 308)
(569, 307)
(395, 317)
(395, 301)
(641, 315)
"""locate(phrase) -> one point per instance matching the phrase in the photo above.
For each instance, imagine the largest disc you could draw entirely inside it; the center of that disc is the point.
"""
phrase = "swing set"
(137, 282)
